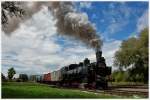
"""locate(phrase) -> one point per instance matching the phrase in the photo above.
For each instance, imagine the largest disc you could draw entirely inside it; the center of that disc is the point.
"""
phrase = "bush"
(120, 76)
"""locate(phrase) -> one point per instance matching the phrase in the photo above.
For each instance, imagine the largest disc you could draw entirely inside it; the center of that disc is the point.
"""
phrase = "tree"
(3, 76)
(11, 73)
(133, 54)
(126, 55)
(10, 9)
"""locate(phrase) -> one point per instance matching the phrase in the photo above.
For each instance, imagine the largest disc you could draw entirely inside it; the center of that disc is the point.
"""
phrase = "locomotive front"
(101, 71)
(92, 74)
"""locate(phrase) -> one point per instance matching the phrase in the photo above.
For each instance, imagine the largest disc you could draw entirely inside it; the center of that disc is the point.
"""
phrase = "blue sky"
(36, 48)
(115, 20)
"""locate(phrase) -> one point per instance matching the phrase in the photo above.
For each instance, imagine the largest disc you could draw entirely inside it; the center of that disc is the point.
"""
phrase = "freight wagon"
(56, 76)
(46, 78)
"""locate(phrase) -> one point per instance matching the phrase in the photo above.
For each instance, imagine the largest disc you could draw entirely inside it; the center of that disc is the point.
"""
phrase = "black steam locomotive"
(83, 75)
(86, 74)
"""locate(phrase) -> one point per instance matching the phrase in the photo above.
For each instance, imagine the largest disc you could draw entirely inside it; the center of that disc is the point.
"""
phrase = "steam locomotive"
(84, 74)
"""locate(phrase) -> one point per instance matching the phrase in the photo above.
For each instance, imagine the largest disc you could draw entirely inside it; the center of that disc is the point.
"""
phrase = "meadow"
(36, 90)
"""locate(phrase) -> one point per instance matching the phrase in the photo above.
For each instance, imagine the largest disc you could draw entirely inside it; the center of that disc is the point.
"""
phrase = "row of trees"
(11, 73)
(133, 56)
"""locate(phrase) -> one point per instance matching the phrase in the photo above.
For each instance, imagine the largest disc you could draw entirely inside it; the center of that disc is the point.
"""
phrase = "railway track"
(125, 91)
(130, 86)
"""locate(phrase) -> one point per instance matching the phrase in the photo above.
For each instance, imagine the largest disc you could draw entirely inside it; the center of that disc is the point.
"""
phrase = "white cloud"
(115, 27)
(31, 43)
(109, 49)
(142, 21)
(33, 47)
(85, 4)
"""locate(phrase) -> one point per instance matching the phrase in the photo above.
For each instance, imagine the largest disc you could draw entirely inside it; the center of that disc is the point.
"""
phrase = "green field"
(35, 90)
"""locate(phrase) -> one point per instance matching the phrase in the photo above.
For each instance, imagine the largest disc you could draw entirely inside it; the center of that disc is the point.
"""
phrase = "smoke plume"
(30, 8)
(69, 22)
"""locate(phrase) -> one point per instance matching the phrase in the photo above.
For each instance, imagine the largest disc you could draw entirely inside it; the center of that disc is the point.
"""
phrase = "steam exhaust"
(69, 22)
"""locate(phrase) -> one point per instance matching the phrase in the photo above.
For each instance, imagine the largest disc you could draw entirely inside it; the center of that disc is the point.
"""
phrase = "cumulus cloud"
(28, 49)
(35, 48)
(109, 49)
(142, 21)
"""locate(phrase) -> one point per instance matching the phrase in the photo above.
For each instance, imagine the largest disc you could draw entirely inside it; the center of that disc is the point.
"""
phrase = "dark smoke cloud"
(69, 22)
(72, 23)
(13, 21)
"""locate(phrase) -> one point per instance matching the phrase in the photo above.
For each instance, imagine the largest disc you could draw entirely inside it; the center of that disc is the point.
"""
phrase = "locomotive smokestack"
(99, 59)
(98, 55)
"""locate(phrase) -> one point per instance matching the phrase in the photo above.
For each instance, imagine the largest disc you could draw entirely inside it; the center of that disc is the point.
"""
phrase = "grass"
(36, 90)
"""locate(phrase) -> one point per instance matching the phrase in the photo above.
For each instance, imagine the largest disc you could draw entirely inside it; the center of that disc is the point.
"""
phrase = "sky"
(36, 47)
